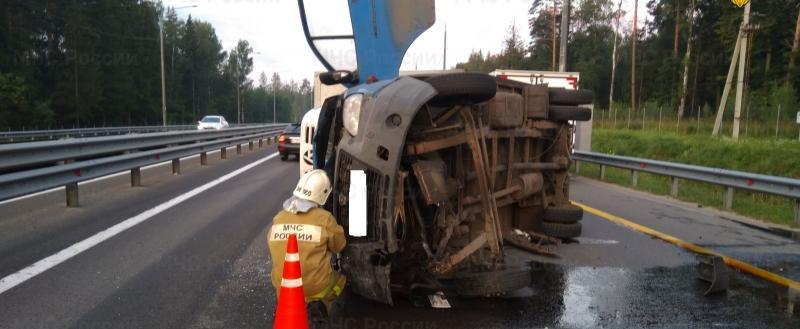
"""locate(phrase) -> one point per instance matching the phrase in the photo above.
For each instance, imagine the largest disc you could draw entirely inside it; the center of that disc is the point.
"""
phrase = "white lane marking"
(45, 264)
(99, 179)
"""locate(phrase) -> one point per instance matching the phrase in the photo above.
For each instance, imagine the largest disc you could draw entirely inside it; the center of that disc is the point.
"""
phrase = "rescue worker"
(319, 239)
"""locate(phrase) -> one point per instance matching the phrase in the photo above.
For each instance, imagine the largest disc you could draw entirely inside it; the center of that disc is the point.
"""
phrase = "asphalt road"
(203, 262)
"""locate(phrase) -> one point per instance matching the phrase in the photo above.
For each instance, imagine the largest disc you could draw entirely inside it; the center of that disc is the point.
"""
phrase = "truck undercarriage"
(458, 167)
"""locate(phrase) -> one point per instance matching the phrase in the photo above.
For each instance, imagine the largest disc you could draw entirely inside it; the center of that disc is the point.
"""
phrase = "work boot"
(317, 311)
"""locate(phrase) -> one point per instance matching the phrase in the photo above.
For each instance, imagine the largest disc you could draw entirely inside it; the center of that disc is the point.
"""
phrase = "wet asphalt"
(204, 263)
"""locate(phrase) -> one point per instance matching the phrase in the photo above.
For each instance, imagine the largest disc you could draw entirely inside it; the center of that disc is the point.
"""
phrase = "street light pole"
(274, 90)
(163, 84)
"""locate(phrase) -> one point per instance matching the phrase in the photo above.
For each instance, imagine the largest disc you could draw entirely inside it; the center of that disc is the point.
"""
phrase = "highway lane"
(159, 272)
(204, 263)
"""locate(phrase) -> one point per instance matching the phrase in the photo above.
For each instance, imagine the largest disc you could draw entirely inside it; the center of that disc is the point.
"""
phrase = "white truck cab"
(308, 128)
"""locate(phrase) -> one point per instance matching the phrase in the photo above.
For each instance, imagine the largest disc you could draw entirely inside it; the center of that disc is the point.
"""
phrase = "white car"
(216, 122)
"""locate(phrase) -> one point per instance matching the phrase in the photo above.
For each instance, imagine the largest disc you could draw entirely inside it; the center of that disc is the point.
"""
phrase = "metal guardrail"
(31, 135)
(23, 155)
(730, 179)
(27, 168)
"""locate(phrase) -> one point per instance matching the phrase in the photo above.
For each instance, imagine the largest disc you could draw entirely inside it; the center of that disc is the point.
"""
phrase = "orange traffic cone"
(291, 313)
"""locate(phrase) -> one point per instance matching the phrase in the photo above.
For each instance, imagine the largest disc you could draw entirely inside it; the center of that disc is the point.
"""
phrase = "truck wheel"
(562, 231)
(569, 113)
(490, 284)
(284, 157)
(562, 96)
(562, 213)
(463, 87)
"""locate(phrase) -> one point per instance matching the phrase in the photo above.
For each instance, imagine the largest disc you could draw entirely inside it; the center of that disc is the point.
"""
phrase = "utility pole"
(728, 82)
(238, 104)
(677, 39)
(562, 61)
(614, 61)
(274, 91)
(634, 36)
(555, 39)
(737, 115)
(163, 84)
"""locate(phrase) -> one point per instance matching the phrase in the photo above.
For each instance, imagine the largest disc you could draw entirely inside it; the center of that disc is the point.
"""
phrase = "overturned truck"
(457, 166)
(437, 175)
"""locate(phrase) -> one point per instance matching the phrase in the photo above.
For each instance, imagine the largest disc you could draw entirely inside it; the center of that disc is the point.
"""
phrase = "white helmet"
(313, 186)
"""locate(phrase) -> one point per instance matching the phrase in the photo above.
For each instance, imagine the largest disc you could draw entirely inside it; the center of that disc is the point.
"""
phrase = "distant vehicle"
(289, 141)
(216, 122)
(308, 127)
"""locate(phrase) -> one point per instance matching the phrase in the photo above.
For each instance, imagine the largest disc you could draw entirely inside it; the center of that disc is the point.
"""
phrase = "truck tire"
(461, 88)
(490, 284)
(562, 231)
(562, 213)
(563, 96)
(562, 113)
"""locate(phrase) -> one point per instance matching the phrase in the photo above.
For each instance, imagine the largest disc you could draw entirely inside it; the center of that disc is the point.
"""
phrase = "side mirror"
(337, 77)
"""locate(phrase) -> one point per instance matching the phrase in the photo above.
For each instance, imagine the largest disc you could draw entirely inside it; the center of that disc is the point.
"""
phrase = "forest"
(676, 40)
(86, 63)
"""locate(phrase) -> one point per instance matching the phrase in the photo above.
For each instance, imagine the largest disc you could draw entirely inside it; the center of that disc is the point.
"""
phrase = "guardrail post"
(260, 142)
(238, 148)
(797, 211)
(269, 140)
(602, 172)
(223, 153)
(72, 195)
(203, 159)
(136, 177)
(250, 146)
(634, 178)
(673, 191)
(176, 166)
(728, 202)
(577, 167)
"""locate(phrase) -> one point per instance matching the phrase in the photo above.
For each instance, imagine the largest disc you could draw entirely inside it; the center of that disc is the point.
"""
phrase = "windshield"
(210, 120)
(331, 32)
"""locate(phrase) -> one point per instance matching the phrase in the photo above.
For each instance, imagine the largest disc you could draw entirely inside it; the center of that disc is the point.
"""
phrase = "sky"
(274, 31)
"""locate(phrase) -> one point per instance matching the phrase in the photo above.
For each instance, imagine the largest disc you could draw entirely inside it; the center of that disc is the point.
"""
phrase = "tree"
(240, 64)
(795, 50)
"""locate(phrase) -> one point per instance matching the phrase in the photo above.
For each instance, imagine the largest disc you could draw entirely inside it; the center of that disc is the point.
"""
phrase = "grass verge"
(766, 157)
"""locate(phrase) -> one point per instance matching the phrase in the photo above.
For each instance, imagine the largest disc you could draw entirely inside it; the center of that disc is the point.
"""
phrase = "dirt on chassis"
(458, 167)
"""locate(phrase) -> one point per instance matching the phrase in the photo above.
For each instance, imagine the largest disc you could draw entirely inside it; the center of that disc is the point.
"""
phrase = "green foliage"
(82, 63)
(659, 64)
(781, 158)
(18, 108)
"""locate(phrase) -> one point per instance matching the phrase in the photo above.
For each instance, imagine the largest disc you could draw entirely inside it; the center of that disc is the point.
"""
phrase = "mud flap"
(712, 269)
(369, 274)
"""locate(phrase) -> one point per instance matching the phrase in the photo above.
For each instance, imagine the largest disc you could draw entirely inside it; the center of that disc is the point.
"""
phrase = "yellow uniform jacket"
(318, 238)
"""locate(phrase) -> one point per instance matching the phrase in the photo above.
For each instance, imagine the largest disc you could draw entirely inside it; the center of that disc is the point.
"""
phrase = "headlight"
(352, 112)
